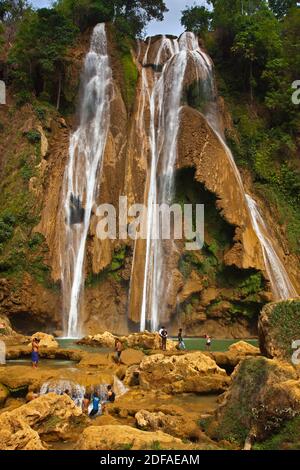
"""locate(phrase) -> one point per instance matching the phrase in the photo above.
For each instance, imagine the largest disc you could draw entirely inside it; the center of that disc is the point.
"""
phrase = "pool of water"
(66, 343)
(44, 363)
(217, 345)
(192, 344)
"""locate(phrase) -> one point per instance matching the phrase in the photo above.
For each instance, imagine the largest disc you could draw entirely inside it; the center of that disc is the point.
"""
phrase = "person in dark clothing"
(111, 396)
(164, 336)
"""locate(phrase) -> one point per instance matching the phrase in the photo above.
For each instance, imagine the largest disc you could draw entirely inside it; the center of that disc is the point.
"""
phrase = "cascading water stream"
(282, 286)
(165, 104)
(81, 179)
(164, 98)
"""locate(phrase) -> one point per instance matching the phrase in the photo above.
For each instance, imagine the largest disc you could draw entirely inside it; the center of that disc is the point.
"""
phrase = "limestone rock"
(105, 340)
(46, 341)
(20, 428)
(192, 372)
(111, 437)
(4, 394)
(147, 340)
(131, 356)
(263, 394)
(175, 425)
(243, 348)
(278, 328)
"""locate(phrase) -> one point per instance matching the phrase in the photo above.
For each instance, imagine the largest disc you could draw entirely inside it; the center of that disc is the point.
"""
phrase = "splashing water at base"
(2, 353)
(119, 387)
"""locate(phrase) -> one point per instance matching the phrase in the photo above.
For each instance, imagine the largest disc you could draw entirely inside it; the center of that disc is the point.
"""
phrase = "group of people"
(180, 345)
(98, 405)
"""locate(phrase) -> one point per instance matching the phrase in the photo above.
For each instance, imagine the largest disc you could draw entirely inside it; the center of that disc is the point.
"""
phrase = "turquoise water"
(217, 345)
(192, 344)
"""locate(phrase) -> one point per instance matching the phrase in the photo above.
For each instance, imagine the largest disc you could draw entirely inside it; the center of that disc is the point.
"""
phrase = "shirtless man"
(35, 352)
(118, 349)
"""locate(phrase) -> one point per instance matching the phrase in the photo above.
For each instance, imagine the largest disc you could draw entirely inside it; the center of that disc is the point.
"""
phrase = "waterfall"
(282, 286)
(82, 175)
(119, 387)
(163, 94)
(61, 386)
(165, 103)
(2, 353)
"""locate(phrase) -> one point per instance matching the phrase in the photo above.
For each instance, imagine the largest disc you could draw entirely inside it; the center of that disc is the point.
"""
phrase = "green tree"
(281, 8)
(131, 16)
(257, 43)
(196, 19)
(39, 55)
(12, 10)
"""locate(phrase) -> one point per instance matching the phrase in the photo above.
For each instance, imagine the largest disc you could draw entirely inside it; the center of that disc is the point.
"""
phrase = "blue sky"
(170, 25)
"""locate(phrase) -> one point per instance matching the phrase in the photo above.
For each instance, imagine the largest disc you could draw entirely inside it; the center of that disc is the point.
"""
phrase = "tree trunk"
(251, 81)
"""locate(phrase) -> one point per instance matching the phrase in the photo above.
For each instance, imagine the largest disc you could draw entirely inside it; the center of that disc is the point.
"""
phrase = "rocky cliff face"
(219, 290)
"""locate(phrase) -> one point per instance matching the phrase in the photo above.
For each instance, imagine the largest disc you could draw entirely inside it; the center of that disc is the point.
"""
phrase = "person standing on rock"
(35, 352)
(164, 335)
(118, 349)
(208, 342)
(181, 344)
(86, 403)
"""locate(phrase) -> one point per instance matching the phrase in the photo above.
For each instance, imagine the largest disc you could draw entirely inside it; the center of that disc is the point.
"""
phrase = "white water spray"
(87, 145)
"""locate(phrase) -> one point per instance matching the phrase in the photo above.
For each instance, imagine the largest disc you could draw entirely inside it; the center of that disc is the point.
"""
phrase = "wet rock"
(117, 437)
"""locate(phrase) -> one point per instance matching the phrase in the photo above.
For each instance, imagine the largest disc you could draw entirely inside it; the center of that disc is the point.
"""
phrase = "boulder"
(192, 372)
(278, 328)
(46, 341)
(104, 340)
(4, 394)
(146, 340)
(263, 394)
(242, 348)
(175, 425)
(22, 427)
(130, 356)
(117, 437)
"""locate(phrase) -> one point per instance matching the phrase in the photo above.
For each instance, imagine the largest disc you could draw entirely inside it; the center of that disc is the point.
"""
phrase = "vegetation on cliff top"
(41, 39)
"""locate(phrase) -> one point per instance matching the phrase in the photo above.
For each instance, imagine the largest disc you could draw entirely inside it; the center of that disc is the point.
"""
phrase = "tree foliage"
(196, 19)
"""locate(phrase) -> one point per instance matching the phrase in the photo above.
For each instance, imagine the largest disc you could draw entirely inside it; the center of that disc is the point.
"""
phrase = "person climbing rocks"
(96, 402)
(164, 335)
(181, 344)
(208, 342)
(86, 403)
(35, 345)
(110, 397)
(118, 349)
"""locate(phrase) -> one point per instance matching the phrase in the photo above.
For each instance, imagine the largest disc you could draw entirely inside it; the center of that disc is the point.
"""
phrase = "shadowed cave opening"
(27, 323)
(235, 293)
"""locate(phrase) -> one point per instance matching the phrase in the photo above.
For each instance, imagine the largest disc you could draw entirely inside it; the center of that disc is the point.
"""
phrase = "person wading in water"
(35, 352)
